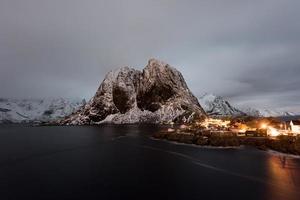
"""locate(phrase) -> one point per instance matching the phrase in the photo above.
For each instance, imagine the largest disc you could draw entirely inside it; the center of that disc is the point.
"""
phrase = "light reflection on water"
(282, 172)
(105, 159)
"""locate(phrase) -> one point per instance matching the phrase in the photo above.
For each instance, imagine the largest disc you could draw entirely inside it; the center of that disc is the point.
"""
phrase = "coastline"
(198, 146)
(281, 144)
(268, 151)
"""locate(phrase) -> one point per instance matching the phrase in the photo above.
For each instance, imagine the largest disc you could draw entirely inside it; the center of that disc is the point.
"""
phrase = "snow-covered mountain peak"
(154, 63)
(264, 112)
(209, 97)
(157, 94)
(216, 106)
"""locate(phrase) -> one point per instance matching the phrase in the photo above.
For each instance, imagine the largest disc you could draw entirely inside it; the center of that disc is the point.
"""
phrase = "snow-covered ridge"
(263, 112)
(218, 106)
(36, 110)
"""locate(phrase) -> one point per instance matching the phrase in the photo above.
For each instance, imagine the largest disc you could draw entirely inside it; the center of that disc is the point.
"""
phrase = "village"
(264, 127)
(263, 133)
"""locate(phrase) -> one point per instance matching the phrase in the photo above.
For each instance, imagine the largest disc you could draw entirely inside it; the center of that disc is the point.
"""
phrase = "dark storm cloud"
(272, 82)
(246, 51)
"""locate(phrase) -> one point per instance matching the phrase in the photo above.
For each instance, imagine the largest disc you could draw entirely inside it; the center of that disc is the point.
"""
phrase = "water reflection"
(282, 173)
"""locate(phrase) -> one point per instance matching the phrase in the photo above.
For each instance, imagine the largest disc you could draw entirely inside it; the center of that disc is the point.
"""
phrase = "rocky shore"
(284, 144)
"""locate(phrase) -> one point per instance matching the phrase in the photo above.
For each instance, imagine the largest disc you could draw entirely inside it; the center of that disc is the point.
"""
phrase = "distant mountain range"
(157, 94)
(218, 106)
(36, 110)
(45, 110)
(266, 112)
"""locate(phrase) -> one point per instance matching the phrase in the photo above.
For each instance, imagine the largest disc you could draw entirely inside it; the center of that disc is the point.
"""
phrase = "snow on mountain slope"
(257, 112)
(251, 112)
(36, 110)
(158, 94)
(217, 106)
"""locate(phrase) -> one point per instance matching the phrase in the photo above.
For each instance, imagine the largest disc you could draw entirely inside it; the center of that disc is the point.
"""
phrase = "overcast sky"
(246, 51)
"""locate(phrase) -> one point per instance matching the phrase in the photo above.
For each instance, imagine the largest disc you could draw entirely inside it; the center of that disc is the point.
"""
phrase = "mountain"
(257, 112)
(157, 94)
(218, 107)
(36, 110)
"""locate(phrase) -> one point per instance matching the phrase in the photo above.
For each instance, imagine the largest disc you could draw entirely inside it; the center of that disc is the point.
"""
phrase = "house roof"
(296, 122)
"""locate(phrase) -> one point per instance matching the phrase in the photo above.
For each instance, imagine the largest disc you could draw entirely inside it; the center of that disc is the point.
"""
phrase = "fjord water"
(123, 162)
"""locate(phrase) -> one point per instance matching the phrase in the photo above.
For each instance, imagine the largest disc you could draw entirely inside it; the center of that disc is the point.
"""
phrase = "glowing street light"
(273, 132)
(264, 126)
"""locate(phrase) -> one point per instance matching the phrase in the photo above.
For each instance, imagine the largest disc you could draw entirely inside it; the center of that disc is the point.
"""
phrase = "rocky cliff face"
(157, 94)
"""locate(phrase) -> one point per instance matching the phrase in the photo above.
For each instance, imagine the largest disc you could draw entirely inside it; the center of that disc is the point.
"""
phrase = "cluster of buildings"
(218, 124)
(295, 126)
(291, 127)
(258, 127)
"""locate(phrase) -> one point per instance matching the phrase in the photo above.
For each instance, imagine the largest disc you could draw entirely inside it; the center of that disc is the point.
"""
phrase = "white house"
(295, 126)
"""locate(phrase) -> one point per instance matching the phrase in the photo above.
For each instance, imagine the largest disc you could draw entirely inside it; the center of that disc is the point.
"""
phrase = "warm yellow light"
(264, 126)
(242, 130)
(273, 132)
(215, 122)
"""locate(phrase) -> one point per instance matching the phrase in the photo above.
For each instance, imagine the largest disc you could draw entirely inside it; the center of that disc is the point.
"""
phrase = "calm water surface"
(122, 162)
